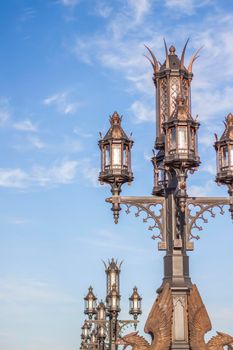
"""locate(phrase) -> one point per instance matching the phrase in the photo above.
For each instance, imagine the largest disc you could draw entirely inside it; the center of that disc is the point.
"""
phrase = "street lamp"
(112, 271)
(103, 331)
(115, 148)
(113, 300)
(90, 303)
(224, 154)
(178, 319)
(181, 137)
(135, 304)
(101, 311)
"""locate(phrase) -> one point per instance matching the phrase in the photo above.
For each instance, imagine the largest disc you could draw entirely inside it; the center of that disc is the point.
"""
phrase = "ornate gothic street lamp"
(135, 304)
(178, 319)
(104, 330)
(115, 149)
(90, 303)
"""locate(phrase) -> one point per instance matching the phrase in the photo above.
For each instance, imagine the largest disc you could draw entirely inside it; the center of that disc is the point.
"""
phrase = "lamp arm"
(202, 205)
(146, 204)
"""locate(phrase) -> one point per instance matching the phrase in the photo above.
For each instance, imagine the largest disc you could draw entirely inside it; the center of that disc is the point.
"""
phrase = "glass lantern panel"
(224, 157)
(107, 155)
(90, 304)
(116, 155)
(114, 301)
(135, 304)
(193, 137)
(173, 139)
(182, 137)
(125, 156)
(231, 155)
(112, 278)
(102, 314)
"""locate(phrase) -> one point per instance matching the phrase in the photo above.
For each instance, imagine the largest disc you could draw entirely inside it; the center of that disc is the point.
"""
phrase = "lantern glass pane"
(224, 157)
(116, 155)
(173, 139)
(182, 137)
(112, 279)
(193, 137)
(135, 304)
(125, 156)
(231, 155)
(107, 155)
(90, 304)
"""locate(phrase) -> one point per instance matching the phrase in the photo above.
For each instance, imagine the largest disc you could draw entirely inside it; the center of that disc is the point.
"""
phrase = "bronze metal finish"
(178, 319)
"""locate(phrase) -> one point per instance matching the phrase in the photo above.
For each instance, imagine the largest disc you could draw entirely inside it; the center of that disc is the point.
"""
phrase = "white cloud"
(201, 190)
(62, 102)
(90, 173)
(186, 7)
(15, 178)
(103, 9)
(36, 142)
(69, 3)
(142, 113)
(61, 173)
(25, 125)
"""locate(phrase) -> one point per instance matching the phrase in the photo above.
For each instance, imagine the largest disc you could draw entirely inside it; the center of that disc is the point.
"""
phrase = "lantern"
(113, 275)
(101, 312)
(113, 300)
(85, 331)
(101, 331)
(135, 304)
(90, 303)
(224, 153)
(93, 338)
(115, 149)
(181, 137)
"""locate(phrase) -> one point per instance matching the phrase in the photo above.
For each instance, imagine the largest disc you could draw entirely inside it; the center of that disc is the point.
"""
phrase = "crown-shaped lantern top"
(171, 78)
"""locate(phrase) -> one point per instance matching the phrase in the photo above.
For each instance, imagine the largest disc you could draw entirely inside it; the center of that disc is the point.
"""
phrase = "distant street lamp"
(103, 329)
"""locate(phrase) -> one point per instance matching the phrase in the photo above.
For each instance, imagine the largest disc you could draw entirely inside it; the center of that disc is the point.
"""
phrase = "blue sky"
(65, 66)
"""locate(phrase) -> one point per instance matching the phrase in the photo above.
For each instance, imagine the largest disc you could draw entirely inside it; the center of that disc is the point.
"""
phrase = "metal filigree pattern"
(163, 100)
(185, 92)
(174, 91)
(153, 207)
(201, 207)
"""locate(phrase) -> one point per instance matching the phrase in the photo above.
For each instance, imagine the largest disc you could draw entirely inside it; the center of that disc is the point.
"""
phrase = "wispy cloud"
(18, 221)
(59, 173)
(78, 131)
(103, 9)
(119, 49)
(30, 290)
(15, 178)
(69, 3)
(186, 7)
(201, 190)
(63, 102)
(36, 142)
(25, 125)
(141, 112)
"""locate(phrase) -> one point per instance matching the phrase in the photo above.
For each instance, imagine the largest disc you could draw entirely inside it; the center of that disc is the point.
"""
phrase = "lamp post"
(103, 329)
(178, 319)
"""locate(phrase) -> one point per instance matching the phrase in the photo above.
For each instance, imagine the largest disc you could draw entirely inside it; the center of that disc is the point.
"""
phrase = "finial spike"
(155, 64)
(167, 59)
(182, 55)
(193, 58)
